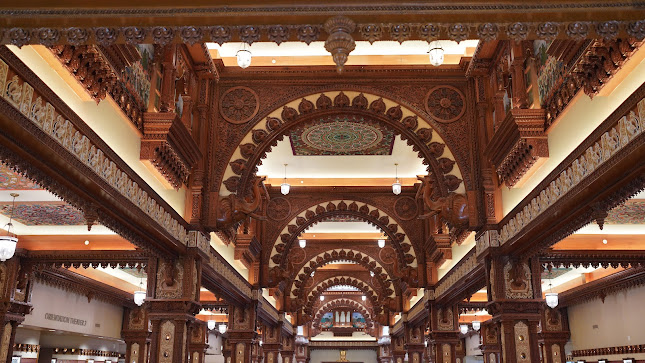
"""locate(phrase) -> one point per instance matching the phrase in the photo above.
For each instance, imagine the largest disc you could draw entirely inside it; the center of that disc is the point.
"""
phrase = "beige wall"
(47, 299)
(619, 321)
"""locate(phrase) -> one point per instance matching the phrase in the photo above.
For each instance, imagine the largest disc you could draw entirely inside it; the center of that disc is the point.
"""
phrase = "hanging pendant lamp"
(396, 186)
(285, 187)
(8, 243)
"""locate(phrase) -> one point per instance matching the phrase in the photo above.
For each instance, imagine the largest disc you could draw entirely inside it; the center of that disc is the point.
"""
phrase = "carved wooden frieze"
(163, 34)
(168, 146)
(519, 144)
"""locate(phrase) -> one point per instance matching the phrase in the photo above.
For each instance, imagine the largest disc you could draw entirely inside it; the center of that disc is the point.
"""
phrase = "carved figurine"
(233, 209)
(452, 209)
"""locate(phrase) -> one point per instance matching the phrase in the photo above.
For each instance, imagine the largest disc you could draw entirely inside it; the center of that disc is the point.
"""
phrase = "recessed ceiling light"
(273, 60)
(87, 242)
(604, 241)
(302, 182)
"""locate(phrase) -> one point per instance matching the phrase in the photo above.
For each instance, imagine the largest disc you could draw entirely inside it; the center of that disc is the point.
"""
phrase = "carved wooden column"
(518, 53)
(554, 334)
(414, 342)
(16, 284)
(460, 351)
(257, 354)
(174, 287)
(198, 342)
(288, 349)
(136, 334)
(302, 349)
(515, 296)
(226, 350)
(398, 351)
(169, 71)
(444, 335)
(272, 342)
(490, 342)
(241, 331)
(385, 349)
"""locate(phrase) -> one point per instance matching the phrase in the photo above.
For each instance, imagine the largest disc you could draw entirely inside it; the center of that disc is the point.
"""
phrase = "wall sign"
(65, 319)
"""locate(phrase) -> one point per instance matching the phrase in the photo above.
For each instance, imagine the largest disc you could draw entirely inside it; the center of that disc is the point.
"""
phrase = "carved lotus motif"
(239, 105)
(445, 103)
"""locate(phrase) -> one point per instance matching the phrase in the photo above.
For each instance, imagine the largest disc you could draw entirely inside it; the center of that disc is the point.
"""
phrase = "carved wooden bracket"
(247, 249)
(89, 67)
(519, 145)
(168, 147)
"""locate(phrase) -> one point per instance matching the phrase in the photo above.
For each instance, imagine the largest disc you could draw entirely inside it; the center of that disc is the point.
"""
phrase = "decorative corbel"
(340, 41)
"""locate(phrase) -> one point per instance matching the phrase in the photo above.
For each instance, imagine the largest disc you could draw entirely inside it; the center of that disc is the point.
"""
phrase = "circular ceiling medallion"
(406, 208)
(239, 105)
(342, 137)
(278, 208)
(445, 103)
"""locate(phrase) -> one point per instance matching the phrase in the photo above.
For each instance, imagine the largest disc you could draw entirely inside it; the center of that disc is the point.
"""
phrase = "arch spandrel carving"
(282, 249)
(423, 135)
(300, 279)
(382, 286)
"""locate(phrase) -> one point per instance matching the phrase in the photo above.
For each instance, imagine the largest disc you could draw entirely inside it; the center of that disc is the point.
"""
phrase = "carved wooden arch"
(342, 303)
(400, 118)
(314, 295)
(318, 213)
(361, 258)
(383, 287)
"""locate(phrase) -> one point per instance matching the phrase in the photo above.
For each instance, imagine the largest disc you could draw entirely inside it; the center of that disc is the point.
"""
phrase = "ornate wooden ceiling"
(205, 129)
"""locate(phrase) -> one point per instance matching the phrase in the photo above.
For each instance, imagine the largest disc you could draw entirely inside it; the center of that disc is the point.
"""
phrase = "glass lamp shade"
(222, 328)
(476, 325)
(284, 188)
(372, 273)
(7, 247)
(260, 342)
(322, 298)
(551, 299)
(211, 324)
(425, 343)
(381, 243)
(244, 58)
(139, 297)
(436, 53)
(463, 328)
(302, 243)
(363, 297)
(396, 187)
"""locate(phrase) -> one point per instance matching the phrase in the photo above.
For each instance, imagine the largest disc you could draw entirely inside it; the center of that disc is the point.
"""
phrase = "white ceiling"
(350, 166)
(300, 49)
(343, 227)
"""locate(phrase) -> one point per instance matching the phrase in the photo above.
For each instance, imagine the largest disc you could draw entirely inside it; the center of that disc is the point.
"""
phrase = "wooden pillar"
(385, 349)
(16, 284)
(515, 301)
(398, 351)
(226, 350)
(272, 342)
(136, 335)
(288, 349)
(554, 334)
(444, 333)
(198, 342)
(490, 342)
(414, 342)
(241, 332)
(174, 286)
